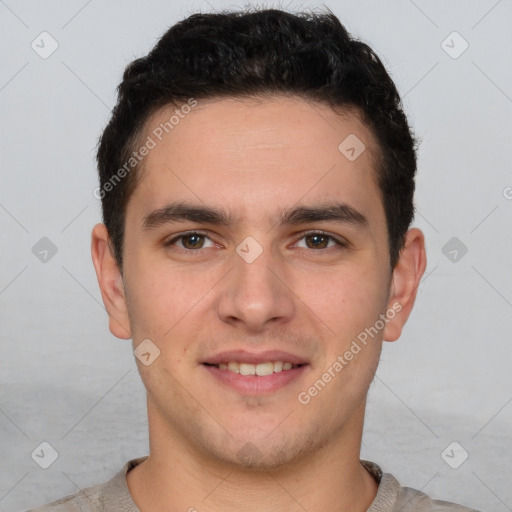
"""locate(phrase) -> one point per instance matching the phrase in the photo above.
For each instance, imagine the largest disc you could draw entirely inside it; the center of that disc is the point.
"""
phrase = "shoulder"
(414, 500)
(392, 497)
(106, 497)
(74, 502)
(66, 504)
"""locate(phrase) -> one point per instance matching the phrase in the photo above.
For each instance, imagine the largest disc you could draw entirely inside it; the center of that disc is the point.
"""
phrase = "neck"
(176, 477)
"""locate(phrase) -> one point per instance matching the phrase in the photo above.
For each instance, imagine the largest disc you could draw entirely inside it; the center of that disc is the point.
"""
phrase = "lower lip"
(254, 384)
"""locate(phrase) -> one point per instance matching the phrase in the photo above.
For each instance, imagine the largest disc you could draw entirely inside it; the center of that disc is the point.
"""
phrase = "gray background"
(66, 380)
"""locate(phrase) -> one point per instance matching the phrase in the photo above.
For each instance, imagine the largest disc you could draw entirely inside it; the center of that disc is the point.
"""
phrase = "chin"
(263, 454)
(250, 458)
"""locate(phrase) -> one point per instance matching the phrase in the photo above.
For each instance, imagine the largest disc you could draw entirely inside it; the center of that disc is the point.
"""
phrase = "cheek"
(350, 302)
(163, 299)
(347, 299)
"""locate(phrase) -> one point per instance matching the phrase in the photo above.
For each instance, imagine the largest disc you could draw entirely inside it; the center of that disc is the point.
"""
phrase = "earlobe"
(110, 281)
(405, 281)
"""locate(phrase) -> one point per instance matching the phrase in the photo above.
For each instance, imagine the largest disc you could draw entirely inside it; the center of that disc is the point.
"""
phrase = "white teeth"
(234, 367)
(265, 369)
(260, 369)
(247, 369)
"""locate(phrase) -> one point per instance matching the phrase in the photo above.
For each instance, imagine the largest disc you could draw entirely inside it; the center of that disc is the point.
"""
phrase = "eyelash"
(341, 244)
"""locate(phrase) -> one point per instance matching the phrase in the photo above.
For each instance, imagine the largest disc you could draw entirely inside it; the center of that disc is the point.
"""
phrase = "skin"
(254, 158)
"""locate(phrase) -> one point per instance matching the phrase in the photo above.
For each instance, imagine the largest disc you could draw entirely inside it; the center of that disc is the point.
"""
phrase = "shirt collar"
(116, 495)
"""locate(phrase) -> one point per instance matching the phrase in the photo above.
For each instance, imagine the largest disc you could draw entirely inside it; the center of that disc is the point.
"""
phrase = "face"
(252, 244)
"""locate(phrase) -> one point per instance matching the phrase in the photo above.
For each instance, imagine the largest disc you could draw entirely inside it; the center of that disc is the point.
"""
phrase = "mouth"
(255, 374)
(259, 369)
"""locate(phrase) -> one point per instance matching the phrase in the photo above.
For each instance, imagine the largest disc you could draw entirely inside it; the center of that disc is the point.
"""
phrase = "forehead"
(254, 155)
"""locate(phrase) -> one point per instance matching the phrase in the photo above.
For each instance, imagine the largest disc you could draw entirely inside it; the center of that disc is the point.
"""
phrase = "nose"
(257, 294)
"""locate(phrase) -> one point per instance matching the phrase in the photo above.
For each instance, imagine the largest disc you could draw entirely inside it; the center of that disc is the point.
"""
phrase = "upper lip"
(242, 356)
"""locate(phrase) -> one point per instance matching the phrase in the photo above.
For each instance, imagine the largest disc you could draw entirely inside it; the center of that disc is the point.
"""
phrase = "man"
(257, 180)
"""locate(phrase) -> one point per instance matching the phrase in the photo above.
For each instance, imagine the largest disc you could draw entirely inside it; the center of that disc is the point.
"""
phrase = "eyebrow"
(181, 212)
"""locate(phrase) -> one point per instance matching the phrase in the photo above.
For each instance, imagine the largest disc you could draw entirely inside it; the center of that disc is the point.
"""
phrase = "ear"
(405, 281)
(111, 282)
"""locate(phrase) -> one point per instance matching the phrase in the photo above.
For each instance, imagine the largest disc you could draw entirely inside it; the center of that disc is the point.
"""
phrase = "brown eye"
(192, 241)
(321, 242)
(317, 241)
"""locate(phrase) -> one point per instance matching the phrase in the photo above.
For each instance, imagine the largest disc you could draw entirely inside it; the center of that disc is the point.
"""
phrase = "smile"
(260, 369)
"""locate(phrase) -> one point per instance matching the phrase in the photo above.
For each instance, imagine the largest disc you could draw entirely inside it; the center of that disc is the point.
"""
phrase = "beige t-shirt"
(114, 496)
